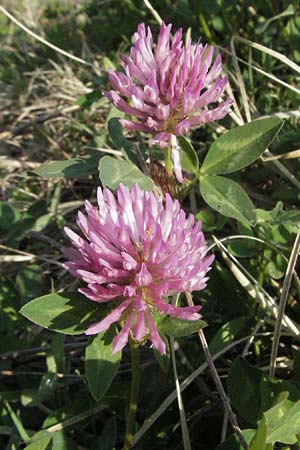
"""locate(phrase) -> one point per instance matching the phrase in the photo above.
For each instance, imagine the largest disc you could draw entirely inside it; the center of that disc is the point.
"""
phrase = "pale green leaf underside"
(227, 197)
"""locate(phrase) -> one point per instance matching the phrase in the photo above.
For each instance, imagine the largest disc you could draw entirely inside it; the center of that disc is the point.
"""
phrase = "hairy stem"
(134, 394)
(168, 161)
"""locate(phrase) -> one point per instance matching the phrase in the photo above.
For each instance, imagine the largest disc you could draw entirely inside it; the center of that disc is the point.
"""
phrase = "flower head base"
(137, 250)
(169, 86)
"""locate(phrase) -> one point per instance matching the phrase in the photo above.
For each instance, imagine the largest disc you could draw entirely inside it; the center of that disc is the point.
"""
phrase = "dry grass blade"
(183, 422)
(171, 397)
(43, 41)
(270, 52)
(15, 258)
(75, 419)
(5, 135)
(218, 383)
(283, 115)
(237, 112)
(283, 170)
(263, 72)
(276, 248)
(283, 300)
(288, 155)
(254, 289)
(33, 256)
(12, 164)
(240, 81)
(153, 12)
(251, 339)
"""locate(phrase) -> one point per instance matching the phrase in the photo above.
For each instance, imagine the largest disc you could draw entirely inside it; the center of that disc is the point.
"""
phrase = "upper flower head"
(169, 85)
(137, 249)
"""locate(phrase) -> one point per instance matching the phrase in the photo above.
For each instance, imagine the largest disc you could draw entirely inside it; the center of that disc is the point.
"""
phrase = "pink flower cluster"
(169, 86)
(137, 249)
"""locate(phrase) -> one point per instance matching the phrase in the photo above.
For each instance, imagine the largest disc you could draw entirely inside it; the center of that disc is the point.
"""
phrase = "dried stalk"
(282, 302)
(218, 383)
(43, 41)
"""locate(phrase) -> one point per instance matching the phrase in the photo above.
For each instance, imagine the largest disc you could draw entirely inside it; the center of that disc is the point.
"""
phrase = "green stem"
(134, 394)
(205, 28)
(261, 261)
(168, 161)
(202, 20)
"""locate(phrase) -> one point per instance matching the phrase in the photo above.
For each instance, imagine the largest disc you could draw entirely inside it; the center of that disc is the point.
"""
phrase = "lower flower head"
(137, 249)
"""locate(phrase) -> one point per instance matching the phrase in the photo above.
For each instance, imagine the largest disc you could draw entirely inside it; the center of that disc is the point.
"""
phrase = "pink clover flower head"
(136, 250)
(169, 85)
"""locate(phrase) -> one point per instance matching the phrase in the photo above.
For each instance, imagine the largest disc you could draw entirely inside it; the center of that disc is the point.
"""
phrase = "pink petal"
(184, 313)
(143, 278)
(177, 164)
(140, 328)
(121, 339)
(105, 323)
(101, 294)
(134, 126)
(154, 336)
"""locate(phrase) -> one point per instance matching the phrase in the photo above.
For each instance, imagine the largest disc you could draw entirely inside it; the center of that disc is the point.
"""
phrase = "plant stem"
(134, 394)
(221, 390)
(183, 421)
(168, 161)
(205, 28)
(282, 302)
(218, 383)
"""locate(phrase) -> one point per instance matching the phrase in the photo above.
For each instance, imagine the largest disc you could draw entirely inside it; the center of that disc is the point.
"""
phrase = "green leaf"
(244, 389)
(227, 197)
(68, 312)
(17, 421)
(207, 218)
(262, 26)
(8, 215)
(283, 421)
(62, 442)
(114, 113)
(116, 133)
(40, 444)
(226, 334)
(82, 166)
(108, 437)
(101, 365)
(171, 326)
(262, 216)
(29, 281)
(243, 246)
(113, 171)
(292, 217)
(80, 406)
(232, 442)
(189, 158)
(87, 100)
(240, 146)
(42, 222)
(259, 440)
(9, 305)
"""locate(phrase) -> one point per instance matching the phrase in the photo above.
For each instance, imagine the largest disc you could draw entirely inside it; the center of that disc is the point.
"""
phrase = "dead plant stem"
(282, 302)
(218, 383)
